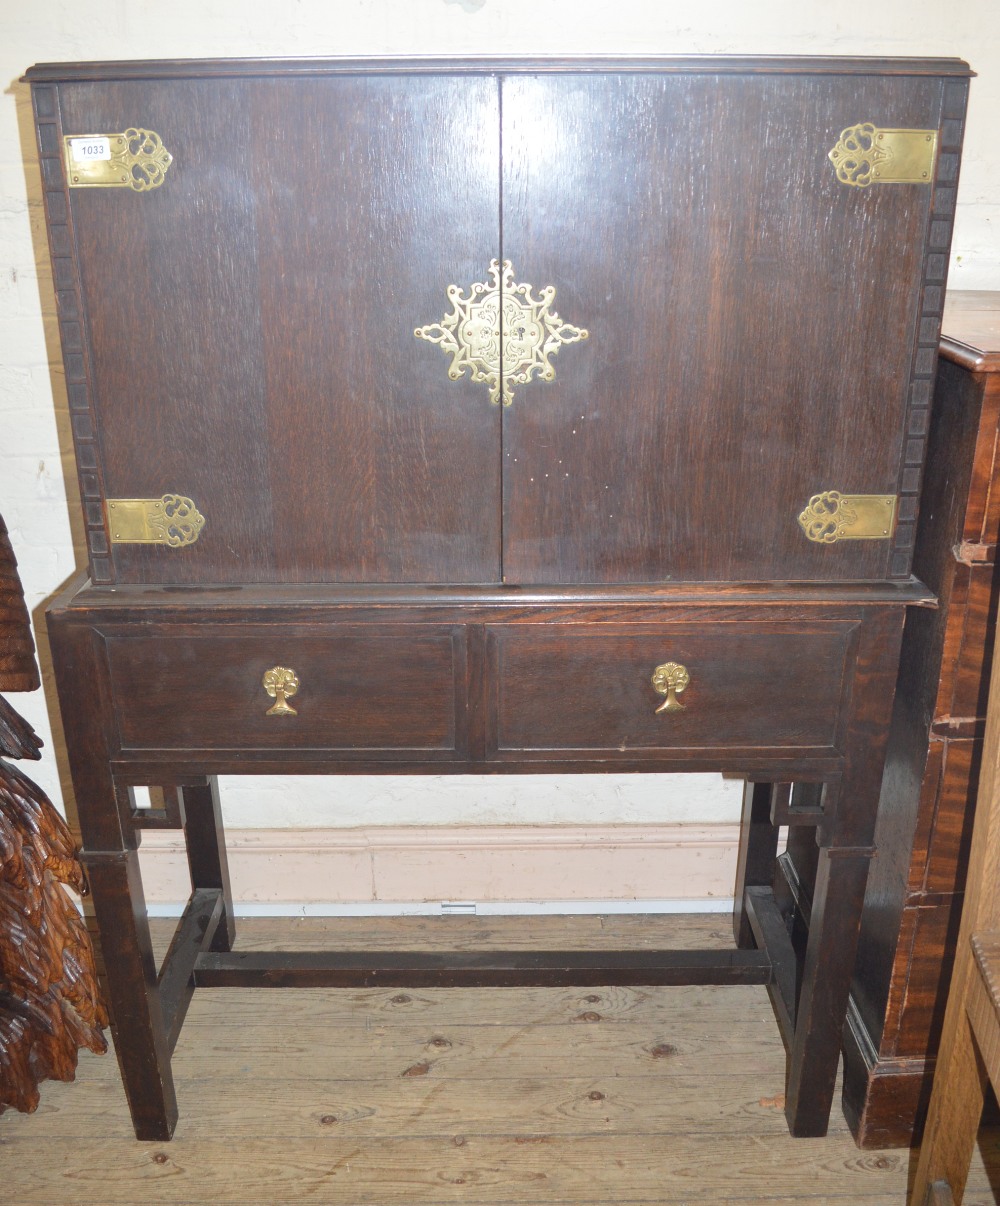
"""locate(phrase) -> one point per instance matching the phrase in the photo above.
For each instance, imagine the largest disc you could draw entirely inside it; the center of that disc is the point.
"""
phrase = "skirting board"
(313, 871)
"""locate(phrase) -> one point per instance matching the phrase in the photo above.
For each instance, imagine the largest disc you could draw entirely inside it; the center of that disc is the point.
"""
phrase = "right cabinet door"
(750, 322)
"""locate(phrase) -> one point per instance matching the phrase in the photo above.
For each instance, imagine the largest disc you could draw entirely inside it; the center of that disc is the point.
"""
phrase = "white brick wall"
(34, 438)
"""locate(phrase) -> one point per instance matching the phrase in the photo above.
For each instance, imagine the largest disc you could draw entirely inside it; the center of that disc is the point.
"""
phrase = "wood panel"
(668, 226)
(257, 310)
(935, 930)
(948, 852)
(968, 648)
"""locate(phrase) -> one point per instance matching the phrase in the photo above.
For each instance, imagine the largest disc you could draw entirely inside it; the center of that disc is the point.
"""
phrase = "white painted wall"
(34, 440)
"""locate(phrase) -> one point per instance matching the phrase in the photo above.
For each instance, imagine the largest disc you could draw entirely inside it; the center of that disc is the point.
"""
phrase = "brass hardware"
(832, 516)
(135, 159)
(501, 327)
(172, 520)
(866, 155)
(670, 679)
(280, 683)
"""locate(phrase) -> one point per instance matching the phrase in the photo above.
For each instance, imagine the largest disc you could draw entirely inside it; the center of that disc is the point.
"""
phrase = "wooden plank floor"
(574, 1096)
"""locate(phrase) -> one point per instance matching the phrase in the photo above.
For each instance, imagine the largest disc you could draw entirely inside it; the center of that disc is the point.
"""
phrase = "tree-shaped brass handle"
(280, 683)
(670, 679)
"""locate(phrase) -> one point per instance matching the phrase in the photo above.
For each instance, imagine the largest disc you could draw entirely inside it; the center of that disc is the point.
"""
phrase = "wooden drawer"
(362, 691)
(581, 691)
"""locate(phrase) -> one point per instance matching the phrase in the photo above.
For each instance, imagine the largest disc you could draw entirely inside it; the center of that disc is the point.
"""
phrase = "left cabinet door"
(250, 324)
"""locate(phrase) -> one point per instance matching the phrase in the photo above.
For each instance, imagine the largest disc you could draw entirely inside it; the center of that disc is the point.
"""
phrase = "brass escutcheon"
(670, 679)
(280, 683)
(501, 322)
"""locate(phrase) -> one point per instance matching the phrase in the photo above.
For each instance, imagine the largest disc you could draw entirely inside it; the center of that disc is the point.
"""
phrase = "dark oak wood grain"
(464, 588)
(670, 391)
(280, 383)
(587, 689)
(360, 690)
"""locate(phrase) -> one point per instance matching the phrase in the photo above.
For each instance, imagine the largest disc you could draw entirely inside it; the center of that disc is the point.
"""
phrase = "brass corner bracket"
(172, 520)
(832, 516)
(501, 333)
(134, 159)
(865, 154)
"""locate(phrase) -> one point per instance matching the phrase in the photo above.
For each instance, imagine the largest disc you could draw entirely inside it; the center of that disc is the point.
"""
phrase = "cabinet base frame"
(798, 943)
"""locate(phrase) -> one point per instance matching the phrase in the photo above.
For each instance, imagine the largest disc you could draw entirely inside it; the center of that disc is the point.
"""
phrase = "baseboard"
(406, 869)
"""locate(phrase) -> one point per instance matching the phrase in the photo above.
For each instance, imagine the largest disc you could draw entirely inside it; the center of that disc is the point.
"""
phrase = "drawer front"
(576, 691)
(364, 692)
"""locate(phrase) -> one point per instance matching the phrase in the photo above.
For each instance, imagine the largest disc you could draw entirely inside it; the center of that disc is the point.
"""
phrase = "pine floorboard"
(644, 1096)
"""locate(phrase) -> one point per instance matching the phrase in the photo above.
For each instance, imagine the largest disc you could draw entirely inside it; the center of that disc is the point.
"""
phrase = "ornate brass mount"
(670, 679)
(500, 333)
(173, 520)
(135, 159)
(832, 516)
(280, 683)
(866, 155)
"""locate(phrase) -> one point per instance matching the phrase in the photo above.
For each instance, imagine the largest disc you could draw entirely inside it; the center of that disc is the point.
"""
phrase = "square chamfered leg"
(141, 1042)
(828, 881)
(814, 1050)
(109, 854)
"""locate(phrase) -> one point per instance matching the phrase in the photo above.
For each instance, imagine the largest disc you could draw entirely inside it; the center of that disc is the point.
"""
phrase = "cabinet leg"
(206, 852)
(758, 848)
(130, 976)
(814, 1053)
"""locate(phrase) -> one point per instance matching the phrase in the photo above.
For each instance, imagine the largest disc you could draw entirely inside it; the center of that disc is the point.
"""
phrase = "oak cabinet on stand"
(503, 416)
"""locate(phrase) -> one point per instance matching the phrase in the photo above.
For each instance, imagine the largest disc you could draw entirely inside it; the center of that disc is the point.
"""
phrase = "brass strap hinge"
(832, 516)
(172, 520)
(866, 154)
(135, 159)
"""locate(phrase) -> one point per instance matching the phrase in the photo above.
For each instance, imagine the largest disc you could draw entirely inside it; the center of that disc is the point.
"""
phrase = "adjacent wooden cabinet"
(915, 893)
(502, 415)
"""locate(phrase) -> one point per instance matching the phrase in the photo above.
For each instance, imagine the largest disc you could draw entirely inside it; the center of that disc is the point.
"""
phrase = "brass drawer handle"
(670, 679)
(280, 683)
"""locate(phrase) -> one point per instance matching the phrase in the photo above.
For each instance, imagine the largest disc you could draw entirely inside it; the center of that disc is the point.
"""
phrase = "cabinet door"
(750, 322)
(252, 320)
